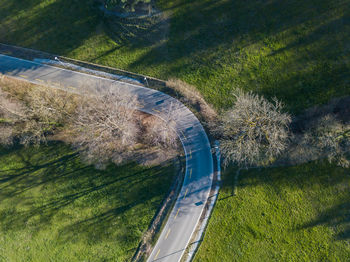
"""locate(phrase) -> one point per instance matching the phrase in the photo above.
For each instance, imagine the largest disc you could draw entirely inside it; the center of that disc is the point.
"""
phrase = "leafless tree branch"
(254, 131)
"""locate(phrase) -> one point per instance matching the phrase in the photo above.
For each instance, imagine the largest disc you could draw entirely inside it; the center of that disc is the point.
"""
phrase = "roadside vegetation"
(54, 207)
(255, 133)
(104, 125)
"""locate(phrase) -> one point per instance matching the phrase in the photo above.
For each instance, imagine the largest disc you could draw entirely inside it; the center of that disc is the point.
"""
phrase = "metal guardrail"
(31, 54)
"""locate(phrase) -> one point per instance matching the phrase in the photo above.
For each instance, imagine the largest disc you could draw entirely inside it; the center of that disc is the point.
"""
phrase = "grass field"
(54, 208)
(281, 214)
(296, 50)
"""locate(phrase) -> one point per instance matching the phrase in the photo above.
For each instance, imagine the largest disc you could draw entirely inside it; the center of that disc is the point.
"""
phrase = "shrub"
(254, 131)
(104, 127)
(324, 137)
(162, 132)
(192, 98)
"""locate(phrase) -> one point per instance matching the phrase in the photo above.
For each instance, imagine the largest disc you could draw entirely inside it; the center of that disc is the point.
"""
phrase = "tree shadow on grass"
(302, 176)
(315, 179)
(203, 25)
(58, 27)
(136, 32)
(336, 217)
(40, 187)
(306, 39)
(323, 54)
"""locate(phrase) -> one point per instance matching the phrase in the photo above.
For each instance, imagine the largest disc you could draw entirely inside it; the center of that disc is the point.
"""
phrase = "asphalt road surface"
(194, 193)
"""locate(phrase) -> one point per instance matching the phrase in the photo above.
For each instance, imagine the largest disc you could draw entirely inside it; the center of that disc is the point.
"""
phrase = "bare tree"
(333, 138)
(254, 131)
(162, 131)
(47, 110)
(12, 112)
(33, 113)
(6, 135)
(104, 126)
(324, 137)
(50, 104)
(10, 107)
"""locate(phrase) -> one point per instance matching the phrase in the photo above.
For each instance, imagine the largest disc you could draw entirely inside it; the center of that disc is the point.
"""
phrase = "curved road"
(194, 193)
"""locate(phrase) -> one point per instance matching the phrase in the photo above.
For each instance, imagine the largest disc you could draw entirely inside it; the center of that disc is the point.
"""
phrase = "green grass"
(281, 214)
(295, 50)
(55, 208)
